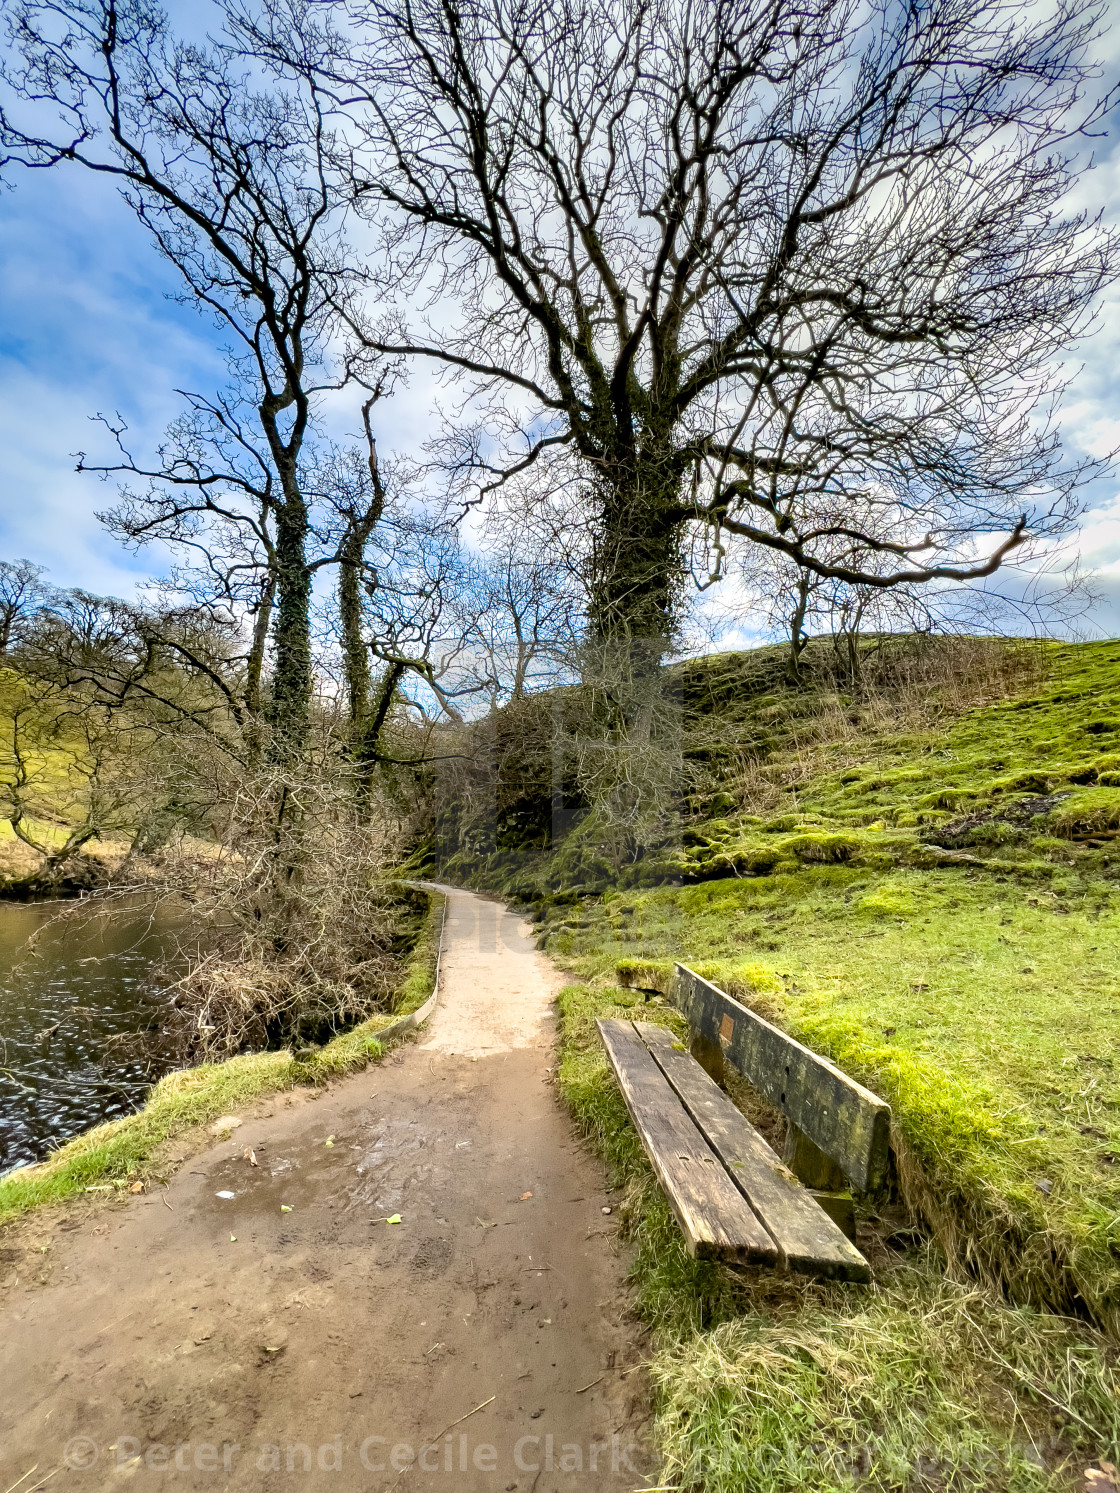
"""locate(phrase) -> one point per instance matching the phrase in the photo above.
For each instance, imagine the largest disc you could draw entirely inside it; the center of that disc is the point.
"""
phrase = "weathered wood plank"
(847, 1121)
(807, 1237)
(716, 1220)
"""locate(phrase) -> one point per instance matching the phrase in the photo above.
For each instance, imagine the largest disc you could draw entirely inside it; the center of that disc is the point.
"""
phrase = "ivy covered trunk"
(290, 706)
(630, 763)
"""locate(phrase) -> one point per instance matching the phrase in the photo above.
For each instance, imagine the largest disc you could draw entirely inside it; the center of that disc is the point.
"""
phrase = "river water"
(79, 1016)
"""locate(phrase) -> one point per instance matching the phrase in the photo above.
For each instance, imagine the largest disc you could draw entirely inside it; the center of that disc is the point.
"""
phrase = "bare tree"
(765, 268)
(792, 601)
(22, 593)
(524, 624)
(102, 737)
(231, 175)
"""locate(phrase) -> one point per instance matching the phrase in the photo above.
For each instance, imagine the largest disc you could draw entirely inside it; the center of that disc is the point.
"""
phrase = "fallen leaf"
(482, 1223)
(137, 1187)
(393, 1218)
(284, 1208)
(329, 1141)
(233, 1238)
(250, 1156)
(524, 1197)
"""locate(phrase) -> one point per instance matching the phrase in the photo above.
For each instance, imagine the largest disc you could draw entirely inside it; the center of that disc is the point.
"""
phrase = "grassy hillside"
(919, 880)
(936, 909)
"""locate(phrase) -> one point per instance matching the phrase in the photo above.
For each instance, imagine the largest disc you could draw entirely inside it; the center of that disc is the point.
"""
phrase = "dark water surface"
(92, 978)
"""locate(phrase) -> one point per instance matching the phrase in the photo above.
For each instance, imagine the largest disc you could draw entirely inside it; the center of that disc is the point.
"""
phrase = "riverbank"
(124, 1153)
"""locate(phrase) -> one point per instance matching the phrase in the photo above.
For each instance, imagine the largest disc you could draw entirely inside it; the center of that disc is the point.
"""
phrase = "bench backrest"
(845, 1120)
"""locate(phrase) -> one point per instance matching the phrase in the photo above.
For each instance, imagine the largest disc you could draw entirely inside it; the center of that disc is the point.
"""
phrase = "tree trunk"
(261, 624)
(797, 638)
(367, 746)
(290, 708)
(637, 567)
(355, 658)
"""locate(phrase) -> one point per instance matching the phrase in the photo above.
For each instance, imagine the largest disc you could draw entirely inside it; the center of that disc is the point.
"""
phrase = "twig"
(432, 1440)
(163, 1200)
(39, 1484)
(462, 1418)
(592, 1385)
(19, 1480)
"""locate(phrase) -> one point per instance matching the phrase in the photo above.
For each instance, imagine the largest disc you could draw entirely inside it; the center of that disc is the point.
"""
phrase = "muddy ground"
(290, 1336)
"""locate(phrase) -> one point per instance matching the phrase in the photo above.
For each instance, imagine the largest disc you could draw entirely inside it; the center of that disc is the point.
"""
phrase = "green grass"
(111, 1156)
(986, 1014)
(778, 1386)
(419, 979)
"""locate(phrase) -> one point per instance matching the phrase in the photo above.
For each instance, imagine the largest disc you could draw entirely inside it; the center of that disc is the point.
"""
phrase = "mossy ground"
(111, 1157)
(924, 888)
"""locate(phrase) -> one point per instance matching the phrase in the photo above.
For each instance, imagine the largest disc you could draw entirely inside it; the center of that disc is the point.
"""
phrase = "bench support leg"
(708, 1054)
(840, 1208)
(824, 1179)
(810, 1165)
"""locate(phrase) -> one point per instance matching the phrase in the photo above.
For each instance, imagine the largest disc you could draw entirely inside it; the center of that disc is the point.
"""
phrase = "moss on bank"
(114, 1155)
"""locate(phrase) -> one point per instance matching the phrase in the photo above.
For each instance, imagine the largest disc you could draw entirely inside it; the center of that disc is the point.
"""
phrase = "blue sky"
(87, 325)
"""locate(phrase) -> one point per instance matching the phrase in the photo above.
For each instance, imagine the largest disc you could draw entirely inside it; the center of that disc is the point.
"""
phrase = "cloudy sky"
(88, 324)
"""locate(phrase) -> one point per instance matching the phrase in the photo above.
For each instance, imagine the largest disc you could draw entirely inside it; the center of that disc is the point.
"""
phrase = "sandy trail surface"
(193, 1340)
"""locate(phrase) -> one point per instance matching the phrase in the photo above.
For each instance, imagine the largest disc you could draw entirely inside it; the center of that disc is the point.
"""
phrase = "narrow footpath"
(290, 1336)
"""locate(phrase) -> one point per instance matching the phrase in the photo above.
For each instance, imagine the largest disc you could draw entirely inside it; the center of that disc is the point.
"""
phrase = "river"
(76, 1009)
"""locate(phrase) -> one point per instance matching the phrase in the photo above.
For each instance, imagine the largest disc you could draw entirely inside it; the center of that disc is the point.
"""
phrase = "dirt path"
(323, 1347)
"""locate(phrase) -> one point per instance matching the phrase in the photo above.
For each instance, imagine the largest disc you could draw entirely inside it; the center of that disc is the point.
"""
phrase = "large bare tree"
(230, 174)
(795, 273)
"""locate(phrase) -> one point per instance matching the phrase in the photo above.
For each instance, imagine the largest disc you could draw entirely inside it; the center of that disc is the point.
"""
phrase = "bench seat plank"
(809, 1241)
(716, 1220)
(845, 1120)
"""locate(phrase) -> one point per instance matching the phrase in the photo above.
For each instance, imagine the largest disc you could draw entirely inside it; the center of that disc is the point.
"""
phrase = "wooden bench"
(735, 1200)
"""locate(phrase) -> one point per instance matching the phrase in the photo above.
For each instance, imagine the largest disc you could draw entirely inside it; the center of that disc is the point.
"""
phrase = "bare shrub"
(295, 920)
